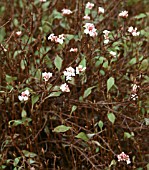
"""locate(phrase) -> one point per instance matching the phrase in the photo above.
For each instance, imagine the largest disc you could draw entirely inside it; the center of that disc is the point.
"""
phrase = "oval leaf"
(58, 62)
(88, 91)
(110, 83)
(61, 128)
(82, 136)
(35, 98)
(111, 117)
(100, 124)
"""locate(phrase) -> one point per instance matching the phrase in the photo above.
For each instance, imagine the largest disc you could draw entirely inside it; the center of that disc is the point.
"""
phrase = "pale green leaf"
(23, 114)
(74, 107)
(110, 83)
(55, 94)
(35, 98)
(29, 154)
(82, 136)
(61, 128)
(58, 62)
(88, 91)
(100, 124)
(111, 117)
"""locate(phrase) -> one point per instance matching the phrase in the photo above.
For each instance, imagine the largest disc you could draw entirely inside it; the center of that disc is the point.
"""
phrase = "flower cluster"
(46, 76)
(106, 36)
(123, 157)
(123, 14)
(134, 91)
(66, 11)
(90, 29)
(57, 39)
(24, 95)
(64, 88)
(133, 31)
(69, 73)
(101, 10)
(89, 5)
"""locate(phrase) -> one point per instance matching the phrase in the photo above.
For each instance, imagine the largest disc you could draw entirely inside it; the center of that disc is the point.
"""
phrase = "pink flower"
(66, 11)
(80, 69)
(46, 76)
(123, 14)
(24, 95)
(87, 17)
(42, 0)
(74, 50)
(64, 88)
(90, 29)
(101, 10)
(89, 5)
(133, 31)
(123, 157)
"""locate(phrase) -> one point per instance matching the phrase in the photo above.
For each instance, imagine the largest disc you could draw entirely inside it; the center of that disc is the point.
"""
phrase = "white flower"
(80, 69)
(134, 96)
(87, 17)
(124, 157)
(73, 50)
(18, 33)
(106, 36)
(123, 14)
(133, 31)
(66, 11)
(69, 73)
(106, 41)
(101, 10)
(46, 76)
(89, 5)
(43, 0)
(64, 88)
(90, 29)
(24, 95)
(113, 53)
(58, 39)
(52, 37)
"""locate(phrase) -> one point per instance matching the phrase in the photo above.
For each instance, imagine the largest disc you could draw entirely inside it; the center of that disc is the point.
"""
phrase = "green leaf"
(100, 124)
(140, 16)
(55, 94)
(10, 79)
(147, 166)
(58, 62)
(61, 128)
(23, 114)
(144, 65)
(29, 154)
(74, 107)
(15, 122)
(110, 83)
(82, 136)
(88, 91)
(111, 117)
(16, 161)
(133, 61)
(35, 98)
(128, 135)
(56, 14)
